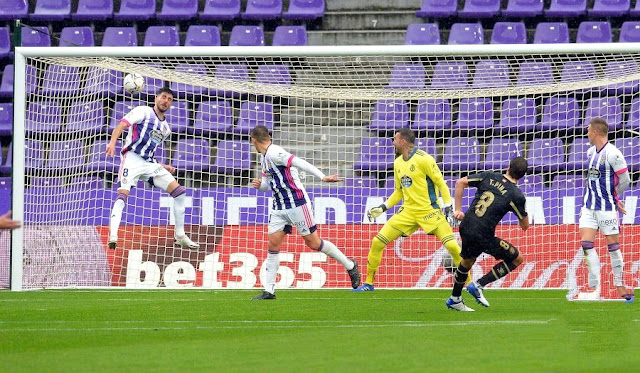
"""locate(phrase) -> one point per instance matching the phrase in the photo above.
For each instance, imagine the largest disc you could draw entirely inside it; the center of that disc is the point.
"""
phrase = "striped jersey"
(146, 132)
(284, 180)
(604, 167)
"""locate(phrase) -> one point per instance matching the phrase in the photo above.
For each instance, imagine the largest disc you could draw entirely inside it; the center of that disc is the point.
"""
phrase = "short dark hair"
(518, 167)
(260, 133)
(599, 125)
(407, 134)
(165, 90)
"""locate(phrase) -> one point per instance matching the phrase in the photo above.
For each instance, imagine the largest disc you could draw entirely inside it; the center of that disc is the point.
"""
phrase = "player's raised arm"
(308, 167)
(111, 147)
(461, 185)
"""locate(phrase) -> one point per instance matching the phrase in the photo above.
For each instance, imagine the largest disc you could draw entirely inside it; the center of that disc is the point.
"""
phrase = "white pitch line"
(355, 297)
(266, 321)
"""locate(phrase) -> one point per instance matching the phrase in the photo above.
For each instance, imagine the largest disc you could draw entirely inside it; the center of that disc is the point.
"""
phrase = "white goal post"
(472, 106)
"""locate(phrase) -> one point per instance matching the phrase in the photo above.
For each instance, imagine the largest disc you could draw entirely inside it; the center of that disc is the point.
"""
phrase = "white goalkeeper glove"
(448, 214)
(374, 212)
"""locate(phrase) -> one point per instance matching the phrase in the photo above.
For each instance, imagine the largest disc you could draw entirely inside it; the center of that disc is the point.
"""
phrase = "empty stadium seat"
(633, 121)
(407, 76)
(231, 72)
(13, 9)
(500, 152)
(136, 10)
(246, 36)
(461, 154)
(376, 154)
(60, 80)
(5, 42)
(161, 36)
(33, 156)
(475, 114)
(523, 8)
(629, 32)
(262, 10)
(232, 157)
(610, 8)
(438, 9)
(629, 149)
(212, 118)
(178, 10)
(120, 109)
(578, 155)
(480, 9)
(492, 74)
(635, 11)
(192, 155)
(253, 114)
(178, 116)
(120, 37)
(531, 183)
(361, 182)
(220, 10)
(43, 116)
(389, 116)
(432, 115)
(546, 155)
(85, 117)
(422, 34)
(614, 69)
(466, 33)
(36, 36)
(99, 161)
(6, 87)
(519, 115)
(566, 8)
(51, 10)
(183, 89)
(594, 32)
(103, 82)
(568, 183)
(560, 114)
(304, 10)
(427, 145)
(76, 37)
(578, 71)
(450, 75)
(65, 156)
(202, 36)
(290, 35)
(535, 73)
(87, 183)
(152, 85)
(93, 10)
(551, 32)
(607, 108)
(6, 120)
(509, 33)
(273, 74)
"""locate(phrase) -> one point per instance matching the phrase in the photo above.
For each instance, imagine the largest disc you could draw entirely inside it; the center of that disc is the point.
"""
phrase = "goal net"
(472, 107)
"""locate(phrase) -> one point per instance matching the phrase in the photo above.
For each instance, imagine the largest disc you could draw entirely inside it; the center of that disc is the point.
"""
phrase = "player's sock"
(617, 263)
(116, 214)
(332, 250)
(593, 263)
(271, 268)
(498, 271)
(378, 244)
(461, 275)
(179, 197)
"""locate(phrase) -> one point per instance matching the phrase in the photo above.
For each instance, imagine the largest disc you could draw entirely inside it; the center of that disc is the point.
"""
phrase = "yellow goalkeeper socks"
(374, 259)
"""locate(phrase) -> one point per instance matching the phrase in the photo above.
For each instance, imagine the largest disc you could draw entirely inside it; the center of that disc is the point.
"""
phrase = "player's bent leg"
(373, 262)
(116, 217)
(445, 234)
(617, 266)
(327, 247)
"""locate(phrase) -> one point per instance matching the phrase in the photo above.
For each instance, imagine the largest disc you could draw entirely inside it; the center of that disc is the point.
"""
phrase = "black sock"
(498, 271)
(460, 277)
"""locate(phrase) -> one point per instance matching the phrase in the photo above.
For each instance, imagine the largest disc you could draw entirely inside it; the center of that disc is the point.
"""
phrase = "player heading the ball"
(148, 129)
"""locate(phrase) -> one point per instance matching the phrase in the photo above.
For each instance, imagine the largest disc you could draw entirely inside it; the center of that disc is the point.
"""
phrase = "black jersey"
(495, 197)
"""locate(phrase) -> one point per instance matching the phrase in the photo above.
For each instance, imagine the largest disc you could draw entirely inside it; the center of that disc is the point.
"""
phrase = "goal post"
(472, 106)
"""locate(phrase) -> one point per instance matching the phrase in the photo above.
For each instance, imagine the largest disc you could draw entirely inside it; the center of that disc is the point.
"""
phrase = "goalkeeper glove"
(448, 214)
(374, 212)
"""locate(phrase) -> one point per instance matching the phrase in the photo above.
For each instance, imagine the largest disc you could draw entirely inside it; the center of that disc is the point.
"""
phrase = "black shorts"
(498, 248)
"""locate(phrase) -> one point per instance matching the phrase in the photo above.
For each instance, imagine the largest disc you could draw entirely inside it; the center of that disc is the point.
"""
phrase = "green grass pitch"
(308, 331)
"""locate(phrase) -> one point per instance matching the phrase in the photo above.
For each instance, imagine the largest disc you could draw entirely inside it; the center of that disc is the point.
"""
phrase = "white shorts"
(133, 168)
(607, 221)
(300, 217)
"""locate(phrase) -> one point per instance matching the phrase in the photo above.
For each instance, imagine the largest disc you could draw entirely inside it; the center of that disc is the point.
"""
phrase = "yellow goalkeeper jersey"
(419, 182)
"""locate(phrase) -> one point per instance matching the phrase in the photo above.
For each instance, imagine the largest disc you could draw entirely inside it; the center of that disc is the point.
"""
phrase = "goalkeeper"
(418, 181)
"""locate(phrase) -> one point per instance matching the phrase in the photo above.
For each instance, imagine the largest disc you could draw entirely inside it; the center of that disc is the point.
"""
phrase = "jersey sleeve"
(617, 161)
(281, 157)
(136, 115)
(433, 172)
(518, 206)
(474, 180)
(397, 195)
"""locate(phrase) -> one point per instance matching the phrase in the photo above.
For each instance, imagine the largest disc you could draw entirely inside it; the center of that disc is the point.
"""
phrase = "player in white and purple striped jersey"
(148, 128)
(607, 179)
(291, 207)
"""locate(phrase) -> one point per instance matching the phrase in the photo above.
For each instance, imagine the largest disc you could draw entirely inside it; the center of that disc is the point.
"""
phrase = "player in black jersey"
(497, 194)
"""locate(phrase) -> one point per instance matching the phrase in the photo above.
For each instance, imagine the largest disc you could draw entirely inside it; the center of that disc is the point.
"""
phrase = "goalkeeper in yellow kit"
(418, 181)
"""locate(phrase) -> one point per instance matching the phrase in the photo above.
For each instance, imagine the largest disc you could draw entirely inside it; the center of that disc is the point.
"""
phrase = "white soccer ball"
(133, 83)
(447, 263)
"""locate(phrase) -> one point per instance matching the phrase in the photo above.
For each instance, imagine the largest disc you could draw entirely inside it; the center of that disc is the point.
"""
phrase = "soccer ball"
(447, 263)
(133, 83)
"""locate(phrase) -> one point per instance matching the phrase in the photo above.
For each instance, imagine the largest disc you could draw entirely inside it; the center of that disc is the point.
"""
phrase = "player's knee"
(378, 243)
(178, 191)
(587, 245)
(518, 260)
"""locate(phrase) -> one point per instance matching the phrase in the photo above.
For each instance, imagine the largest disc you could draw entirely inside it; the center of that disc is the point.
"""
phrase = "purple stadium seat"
(578, 154)
(36, 36)
(535, 73)
(230, 72)
(6, 120)
(422, 34)
(290, 35)
(93, 10)
(152, 85)
(220, 10)
(5, 42)
(13, 9)
(629, 148)
(594, 32)
(66, 156)
(376, 154)
(103, 82)
(531, 183)
(361, 182)
(120, 109)
(263, 10)
(633, 121)
(232, 157)
(610, 8)
(202, 36)
(480, 9)
(85, 117)
(616, 68)
(560, 114)
(253, 114)
(407, 76)
(551, 32)
(33, 156)
(546, 155)
(450, 75)
(389, 183)
(568, 182)
(607, 108)
(178, 10)
(87, 183)
(523, 8)
(500, 152)
(178, 116)
(566, 8)
(161, 36)
(428, 145)
(389, 116)
(492, 74)
(99, 161)
(212, 117)
(6, 87)
(629, 32)
(509, 33)
(76, 36)
(273, 74)
(43, 116)
(304, 10)
(120, 37)
(466, 33)
(183, 89)
(136, 10)
(635, 11)
(576, 71)
(192, 155)
(438, 9)
(519, 115)
(461, 154)
(432, 115)
(475, 114)
(51, 10)
(246, 36)
(61, 80)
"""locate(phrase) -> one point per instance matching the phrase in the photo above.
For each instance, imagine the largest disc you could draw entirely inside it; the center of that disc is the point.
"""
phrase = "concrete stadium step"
(369, 20)
(333, 5)
(319, 135)
(304, 116)
(369, 37)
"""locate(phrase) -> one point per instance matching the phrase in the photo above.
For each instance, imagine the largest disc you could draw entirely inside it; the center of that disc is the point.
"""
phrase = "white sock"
(456, 299)
(178, 214)
(271, 267)
(331, 250)
(617, 264)
(593, 263)
(116, 216)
